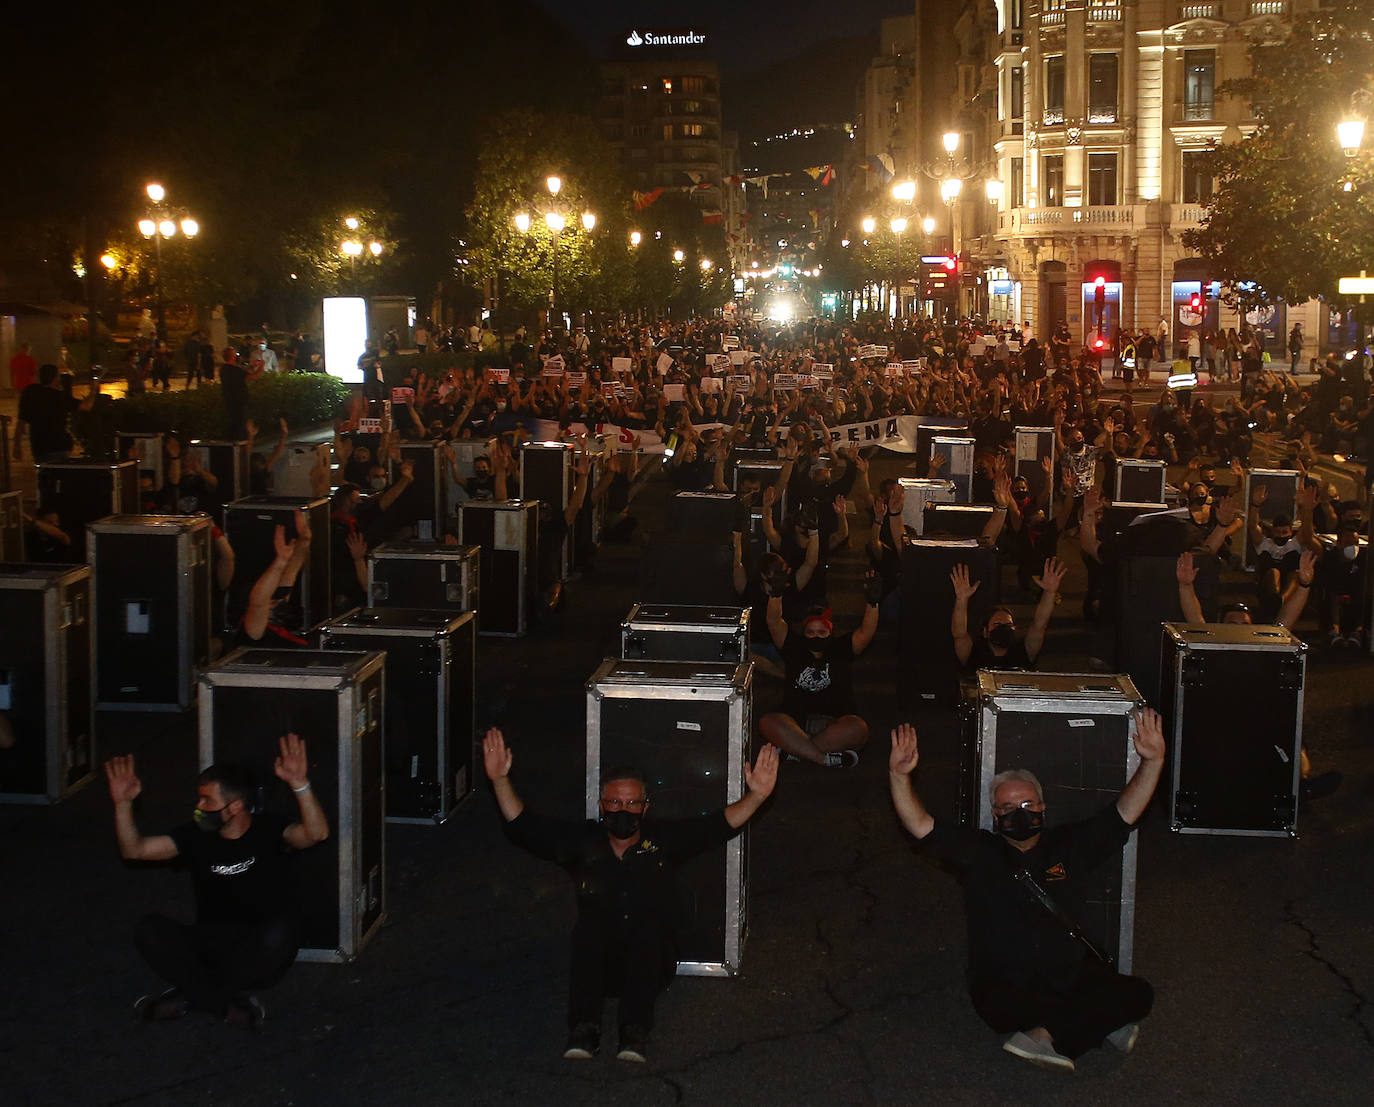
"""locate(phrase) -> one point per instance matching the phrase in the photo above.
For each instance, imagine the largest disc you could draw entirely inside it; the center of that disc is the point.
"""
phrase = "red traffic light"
(1099, 343)
(950, 264)
(1100, 281)
(1195, 301)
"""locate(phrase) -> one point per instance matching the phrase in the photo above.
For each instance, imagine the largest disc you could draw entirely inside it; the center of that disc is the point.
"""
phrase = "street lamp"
(522, 222)
(705, 265)
(950, 188)
(1350, 130)
(869, 224)
(375, 248)
(554, 185)
(636, 238)
(898, 225)
(351, 222)
(951, 141)
(928, 224)
(157, 229)
(679, 256)
(904, 191)
(994, 190)
(588, 221)
(554, 221)
(108, 261)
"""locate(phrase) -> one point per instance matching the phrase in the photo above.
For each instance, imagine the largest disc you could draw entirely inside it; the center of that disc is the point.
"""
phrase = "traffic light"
(1100, 293)
(1099, 343)
(1195, 302)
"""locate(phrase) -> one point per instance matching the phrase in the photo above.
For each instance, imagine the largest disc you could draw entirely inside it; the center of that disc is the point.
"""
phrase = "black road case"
(293, 474)
(429, 575)
(1233, 713)
(335, 702)
(1139, 481)
(1033, 446)
(1282, 487)
(507, 531)
(424, 503)
(1076, 733)
(712, 515)
(1146, 598)
(250, 524)
(546, 475)
(929, 668)
(670, 632)
(687, 728)
(919, 491)
(228, 462)
(45, 682)
(958, 463)
(958, 520)
(925, 436)
(84, 491)
(11, 526)
(431, 721)
(152, 608)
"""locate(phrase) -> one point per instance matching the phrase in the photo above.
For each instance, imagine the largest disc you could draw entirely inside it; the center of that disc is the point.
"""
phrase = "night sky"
(746, 34)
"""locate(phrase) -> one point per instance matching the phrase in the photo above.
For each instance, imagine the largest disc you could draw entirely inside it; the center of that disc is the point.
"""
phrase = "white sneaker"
(1123, 1038)
(1039, 1054)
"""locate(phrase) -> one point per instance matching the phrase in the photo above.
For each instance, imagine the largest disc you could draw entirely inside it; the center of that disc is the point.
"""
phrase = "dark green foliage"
(302, 399)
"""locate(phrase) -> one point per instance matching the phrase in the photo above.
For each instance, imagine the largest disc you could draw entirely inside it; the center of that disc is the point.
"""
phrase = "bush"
(302, 399)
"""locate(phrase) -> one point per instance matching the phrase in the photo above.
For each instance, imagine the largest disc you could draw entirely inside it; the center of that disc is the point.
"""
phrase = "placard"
(712, 384)
(554, 362)
(730, 342)
(912, 365)
(675, 393)
(551, 370)
(370, 426)
(499, 376)
(720, 363)
(824, 370)
(575, 380)
(665, 362)
(976, 348)
(609, 388)
(739, 357)
(741, 383)
(785, 382)
(806, 380)
(620, 364)
(894, 369)
(402, 395)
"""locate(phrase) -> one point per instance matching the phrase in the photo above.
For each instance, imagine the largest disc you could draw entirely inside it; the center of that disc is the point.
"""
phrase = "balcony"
(1187, 215)
(1268, 7)
(1090, 220)
(1104, 11)
(1050, 19)
(1198, 11)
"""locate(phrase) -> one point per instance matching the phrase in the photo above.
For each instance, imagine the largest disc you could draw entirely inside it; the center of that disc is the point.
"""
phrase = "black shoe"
(583, 1042)
(634, 1045)
(170, 1005)
(246, 1011)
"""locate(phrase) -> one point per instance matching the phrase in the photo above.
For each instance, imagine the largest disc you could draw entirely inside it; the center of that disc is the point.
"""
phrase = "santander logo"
(634, 39)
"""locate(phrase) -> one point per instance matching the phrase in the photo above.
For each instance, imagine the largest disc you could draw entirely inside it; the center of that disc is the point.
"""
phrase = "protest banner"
(620, 365)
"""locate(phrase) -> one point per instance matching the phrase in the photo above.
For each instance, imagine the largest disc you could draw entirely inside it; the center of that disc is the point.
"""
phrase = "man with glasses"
(624, 869)
(1030, 976)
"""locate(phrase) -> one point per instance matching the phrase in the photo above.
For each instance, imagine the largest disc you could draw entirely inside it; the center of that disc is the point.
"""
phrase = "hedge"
(302, 399)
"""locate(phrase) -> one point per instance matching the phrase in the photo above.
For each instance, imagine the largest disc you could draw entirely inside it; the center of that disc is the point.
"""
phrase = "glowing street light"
(928, 224)
(147, 228)
(950, 188)
(108, 261)
(351, 222)
(375, 248)
(190, 228)
(845, 243)
(167, 228)
(1350, 134)
(951, 141)
(898, 225)
(705, 265)
(588, 221)
(994, 190)
(554, 185)
(679, 256)
(554, 221)
(522, 222)
(636, 238)
(868, 224)
(156, 193)
(904, 190)
(351, 248)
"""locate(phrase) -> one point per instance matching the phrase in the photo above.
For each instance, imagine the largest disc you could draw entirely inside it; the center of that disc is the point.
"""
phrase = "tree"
(1291, 213)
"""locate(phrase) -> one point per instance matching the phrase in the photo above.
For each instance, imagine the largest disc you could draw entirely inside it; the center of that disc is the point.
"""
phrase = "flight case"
(679, 632)
(250, 524)
(45, 682)
(686, 726)
(427, 575)
(930, 668)
(83, 491)
(1232, 707)
(431, 723)
(335, 702)
(152, 608)
(1076, 733)
(507, 532)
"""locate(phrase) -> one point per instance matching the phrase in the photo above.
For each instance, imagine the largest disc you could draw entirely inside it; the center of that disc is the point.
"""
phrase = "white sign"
(575, 380)
(609, 388)
(665, 362)
(806, 380)
(720, 363)
(345, 336)
(675, 393)
(739, 357)
(821, 369)
(620, 365)
(712, 384)
(730, 342)
(402, 395)
(553, 366)
(742, 384)
(894, 369)
(785, 382)
(912, 365)
(500, 376)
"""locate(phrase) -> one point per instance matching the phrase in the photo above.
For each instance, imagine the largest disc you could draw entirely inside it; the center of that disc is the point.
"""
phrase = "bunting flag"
(822, 173)
(882, 165)
(645, 199)
(715, 216)
(815, 214)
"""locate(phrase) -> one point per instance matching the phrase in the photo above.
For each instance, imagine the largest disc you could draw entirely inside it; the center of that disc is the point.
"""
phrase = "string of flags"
(824, 174)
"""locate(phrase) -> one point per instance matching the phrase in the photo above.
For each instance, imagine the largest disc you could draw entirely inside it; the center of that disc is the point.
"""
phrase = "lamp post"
(157, 226)
(556, 220)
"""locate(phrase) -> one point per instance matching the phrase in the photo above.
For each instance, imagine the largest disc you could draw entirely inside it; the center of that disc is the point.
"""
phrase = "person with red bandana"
(819, 720)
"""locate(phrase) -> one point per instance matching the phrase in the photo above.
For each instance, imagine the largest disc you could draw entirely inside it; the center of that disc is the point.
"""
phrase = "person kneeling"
(624, 869)
(245, 933)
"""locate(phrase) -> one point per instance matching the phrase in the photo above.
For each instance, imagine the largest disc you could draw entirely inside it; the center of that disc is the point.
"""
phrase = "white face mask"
(1351, 552)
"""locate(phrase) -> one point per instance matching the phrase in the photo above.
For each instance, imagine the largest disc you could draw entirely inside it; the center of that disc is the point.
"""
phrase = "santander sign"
(655, 38)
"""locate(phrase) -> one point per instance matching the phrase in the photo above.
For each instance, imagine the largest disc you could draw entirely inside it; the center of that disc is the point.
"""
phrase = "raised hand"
(496, 758)
(764, 775)
(302, 527)
(291, 764)
(124, 783)
(1260, 494)
(1052, 576)
(963, 590)
(1225, 509)
(284, 548)
(1307, 568)
(357, 546)
(905, 753)
(1001, 490)
(1185, 570)
(407, 471)
(1092, 501)
(839, 506)
(770, 496)
(1149, 735)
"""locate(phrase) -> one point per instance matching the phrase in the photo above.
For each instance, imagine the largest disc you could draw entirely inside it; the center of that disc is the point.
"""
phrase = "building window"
(1197, 177)
(1102, 69)
(1016, 16)
(667, 86)
(667, 132)
(694, 86)
(692, 107)
(1054, 91)
(1052, 180)
(615, 132)
(1018, 182)
(639, 130)
(1101, 180)
(1018, 93)
(1199, 80)
(690, 130)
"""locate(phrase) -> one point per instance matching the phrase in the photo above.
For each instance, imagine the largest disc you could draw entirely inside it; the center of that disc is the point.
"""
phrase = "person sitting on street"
(245, 934)
(998, 647)
(1029, 975)
(1279, 546)
(819, 721)
(271, 618)
(624, 870)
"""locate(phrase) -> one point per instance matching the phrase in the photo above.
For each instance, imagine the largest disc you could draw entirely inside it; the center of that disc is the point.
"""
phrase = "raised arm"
(738, 576)
(1050, 579)
(1299, 588)
(1257, 498)
(758, 786)
(292, 767)
(1149, 743)
(958, 620)
(1088, 541)
(813, 558)
(290, 556)
(777, 625)
(873, 594)
(497, 760)
(901, 763)
(1186, 572)
(124, 789)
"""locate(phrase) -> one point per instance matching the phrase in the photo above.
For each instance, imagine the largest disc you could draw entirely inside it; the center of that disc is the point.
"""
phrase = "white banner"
(720, 363)
(620, 365)
(626, 438)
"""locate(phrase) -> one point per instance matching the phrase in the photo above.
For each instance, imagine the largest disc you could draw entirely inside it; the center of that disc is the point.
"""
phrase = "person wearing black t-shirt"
(244, 936)
(1030, 976)
(998, 647)
(628, 901)
(819, 720)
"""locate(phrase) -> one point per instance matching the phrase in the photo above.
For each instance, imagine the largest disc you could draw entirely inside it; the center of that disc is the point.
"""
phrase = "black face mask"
(621, 824)
(1003, 636)
(819, 647)
(1020, 825)
(209, 821)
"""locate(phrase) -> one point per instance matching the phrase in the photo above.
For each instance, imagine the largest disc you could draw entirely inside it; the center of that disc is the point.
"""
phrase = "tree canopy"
(1292, 213)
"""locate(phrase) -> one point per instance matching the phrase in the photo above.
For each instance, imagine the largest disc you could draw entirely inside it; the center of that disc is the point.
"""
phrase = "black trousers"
(635, 963)
(1077, 1017)
(213, 962)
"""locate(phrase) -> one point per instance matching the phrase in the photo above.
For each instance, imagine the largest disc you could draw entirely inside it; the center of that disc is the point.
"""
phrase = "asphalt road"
(1260, 950)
